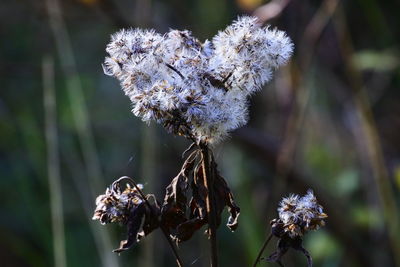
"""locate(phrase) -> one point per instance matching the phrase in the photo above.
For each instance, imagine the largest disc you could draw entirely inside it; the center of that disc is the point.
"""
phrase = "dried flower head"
(198, 90)
(301, 214)
(297, 216)
(115, 205)
(128, 207)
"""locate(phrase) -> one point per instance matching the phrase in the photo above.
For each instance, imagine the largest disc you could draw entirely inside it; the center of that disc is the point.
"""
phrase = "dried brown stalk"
(262, 250)
(209, 178)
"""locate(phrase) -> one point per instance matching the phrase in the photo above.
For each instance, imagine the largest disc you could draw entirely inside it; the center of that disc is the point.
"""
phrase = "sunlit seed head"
(177, 81)
(301, 214)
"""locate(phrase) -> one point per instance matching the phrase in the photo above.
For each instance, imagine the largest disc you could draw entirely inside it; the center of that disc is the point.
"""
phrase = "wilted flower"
(128, 207)
(116, 205)
(196, 89)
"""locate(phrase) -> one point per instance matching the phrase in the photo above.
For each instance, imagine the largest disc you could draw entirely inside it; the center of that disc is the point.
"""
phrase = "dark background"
(329, 121)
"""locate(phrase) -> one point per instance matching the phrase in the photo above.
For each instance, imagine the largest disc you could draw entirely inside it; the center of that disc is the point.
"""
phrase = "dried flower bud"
(198, 90)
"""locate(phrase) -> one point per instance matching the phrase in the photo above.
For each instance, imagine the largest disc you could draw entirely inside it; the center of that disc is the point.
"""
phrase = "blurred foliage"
(310, 128)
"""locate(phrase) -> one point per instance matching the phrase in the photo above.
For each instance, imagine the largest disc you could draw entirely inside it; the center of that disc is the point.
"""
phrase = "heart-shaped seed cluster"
(196, 89)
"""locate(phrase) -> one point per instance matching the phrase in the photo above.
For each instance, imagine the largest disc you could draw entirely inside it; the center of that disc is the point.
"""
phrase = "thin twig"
(262, 250)
(210, 202)
(308, 256)
(177, 71)
(174, 250)
(171, 244)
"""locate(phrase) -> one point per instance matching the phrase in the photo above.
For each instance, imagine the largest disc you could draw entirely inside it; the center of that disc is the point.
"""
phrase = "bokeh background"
(328, 121)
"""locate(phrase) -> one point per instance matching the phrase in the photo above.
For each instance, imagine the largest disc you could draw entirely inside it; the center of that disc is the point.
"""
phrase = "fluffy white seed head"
(301, 214)
(196, 89)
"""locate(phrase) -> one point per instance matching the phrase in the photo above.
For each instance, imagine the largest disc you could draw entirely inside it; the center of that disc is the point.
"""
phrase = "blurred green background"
(329, 121)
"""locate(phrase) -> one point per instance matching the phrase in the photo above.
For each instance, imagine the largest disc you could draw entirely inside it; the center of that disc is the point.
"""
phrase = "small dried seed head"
(298, 215)
(115, 205)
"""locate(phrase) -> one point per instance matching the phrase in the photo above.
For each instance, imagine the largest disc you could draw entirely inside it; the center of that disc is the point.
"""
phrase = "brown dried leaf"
(134, 222)
(198, 206)
(223, 198)
(175, 208)
(173, 211)
(234, 211)
(151, 221)
(186, 230)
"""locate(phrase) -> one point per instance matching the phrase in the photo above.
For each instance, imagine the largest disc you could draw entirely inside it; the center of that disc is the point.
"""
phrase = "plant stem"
(210, 202)
(262, 250)
(174, 250)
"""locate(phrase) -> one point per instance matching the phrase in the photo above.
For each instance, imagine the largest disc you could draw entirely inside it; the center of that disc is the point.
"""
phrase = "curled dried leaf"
(152, 217)
(224, 198)
(133, 225)
(173, 210)
(186, 230)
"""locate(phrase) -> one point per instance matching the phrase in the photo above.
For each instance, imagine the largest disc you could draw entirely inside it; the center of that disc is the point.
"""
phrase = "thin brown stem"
(208, 175)
(177, 71)
(171, 244)
(262, 250)
(173, 248)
